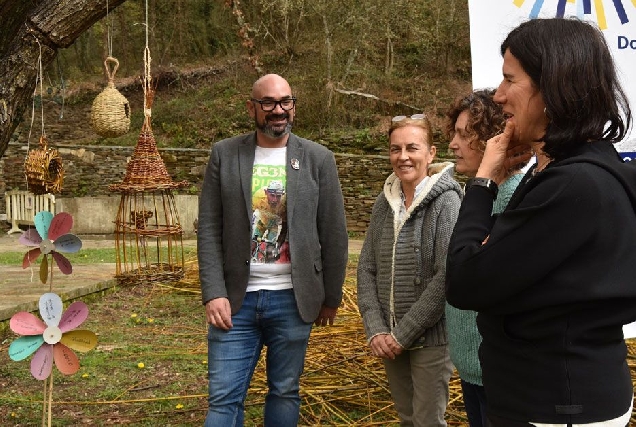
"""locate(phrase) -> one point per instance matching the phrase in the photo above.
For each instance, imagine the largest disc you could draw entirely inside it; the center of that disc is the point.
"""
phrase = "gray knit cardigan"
(402, 265)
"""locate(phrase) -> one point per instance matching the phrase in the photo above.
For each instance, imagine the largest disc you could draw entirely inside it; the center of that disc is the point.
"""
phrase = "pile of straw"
(342, 383)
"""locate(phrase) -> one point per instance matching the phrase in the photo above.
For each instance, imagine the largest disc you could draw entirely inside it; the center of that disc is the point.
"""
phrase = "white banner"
(492, 20)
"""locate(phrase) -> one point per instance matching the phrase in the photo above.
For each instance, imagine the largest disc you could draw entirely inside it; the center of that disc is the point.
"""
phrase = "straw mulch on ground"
(342, 383)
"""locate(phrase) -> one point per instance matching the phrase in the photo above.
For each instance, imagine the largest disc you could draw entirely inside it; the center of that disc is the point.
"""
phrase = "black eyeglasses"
(270, 105)
(413, 117)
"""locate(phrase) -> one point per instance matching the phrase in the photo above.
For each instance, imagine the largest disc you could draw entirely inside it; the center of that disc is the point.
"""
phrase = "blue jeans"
(267, 318)
(475, 404)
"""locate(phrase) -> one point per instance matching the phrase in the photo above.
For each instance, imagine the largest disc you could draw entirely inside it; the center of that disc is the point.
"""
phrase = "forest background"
(352, 65)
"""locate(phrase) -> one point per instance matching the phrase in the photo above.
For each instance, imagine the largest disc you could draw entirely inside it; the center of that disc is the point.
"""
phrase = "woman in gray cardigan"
(402, 269)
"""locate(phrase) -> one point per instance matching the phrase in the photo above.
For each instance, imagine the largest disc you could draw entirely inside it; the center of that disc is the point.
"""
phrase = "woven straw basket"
(44, 169)
(110, 113)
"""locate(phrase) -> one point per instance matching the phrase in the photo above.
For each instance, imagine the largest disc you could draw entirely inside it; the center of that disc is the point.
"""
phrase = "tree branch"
(36, 27)
(374, 97)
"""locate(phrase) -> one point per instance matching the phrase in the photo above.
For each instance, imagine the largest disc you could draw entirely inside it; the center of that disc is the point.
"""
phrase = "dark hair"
(570, 63)
(485, 117)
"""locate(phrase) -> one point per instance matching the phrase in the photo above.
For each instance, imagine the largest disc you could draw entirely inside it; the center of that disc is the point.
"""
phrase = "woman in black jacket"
(552, 277)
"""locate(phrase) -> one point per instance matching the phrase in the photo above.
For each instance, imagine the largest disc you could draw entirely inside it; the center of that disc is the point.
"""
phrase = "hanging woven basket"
(110, 113)
(44, 169)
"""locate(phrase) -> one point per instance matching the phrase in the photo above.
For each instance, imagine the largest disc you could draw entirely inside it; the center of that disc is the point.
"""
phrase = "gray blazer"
(315, 218)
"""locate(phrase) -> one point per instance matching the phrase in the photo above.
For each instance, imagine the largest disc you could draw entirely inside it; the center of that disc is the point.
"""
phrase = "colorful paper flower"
(52, 340)
(51, 236)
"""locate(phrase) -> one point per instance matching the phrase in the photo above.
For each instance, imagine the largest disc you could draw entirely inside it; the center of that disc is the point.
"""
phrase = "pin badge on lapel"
(295, 164)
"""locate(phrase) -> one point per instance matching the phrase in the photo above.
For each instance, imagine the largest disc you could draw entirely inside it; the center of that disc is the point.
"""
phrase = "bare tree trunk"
(31, 28)
(388, 60)
(329, 86)
(352, 57)
(449, 46)
(248, 42)
(328, 47)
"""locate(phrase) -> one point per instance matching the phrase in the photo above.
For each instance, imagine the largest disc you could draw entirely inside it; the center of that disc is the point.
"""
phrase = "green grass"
(165, 329)
(142, 325)
(85, 256)
(356, 235)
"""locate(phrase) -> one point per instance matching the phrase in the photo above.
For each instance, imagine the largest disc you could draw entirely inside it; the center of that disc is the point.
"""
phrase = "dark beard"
(268, 130)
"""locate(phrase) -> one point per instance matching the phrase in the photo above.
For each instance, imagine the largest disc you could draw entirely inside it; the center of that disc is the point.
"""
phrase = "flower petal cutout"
(74, 316)
(65, 359)
(42, 222)
(24, 323)
(23, 347)
(31, 237)
(30, 257)
(60, 225)
(67, 243)
(51, 308)
(80, 340)
(62, 262)
(42, 362)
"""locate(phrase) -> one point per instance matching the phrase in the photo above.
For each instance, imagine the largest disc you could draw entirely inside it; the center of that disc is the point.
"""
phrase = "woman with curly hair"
(472, 120)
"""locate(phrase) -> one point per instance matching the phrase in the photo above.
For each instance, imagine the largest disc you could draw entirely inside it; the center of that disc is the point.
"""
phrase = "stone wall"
(90, 169)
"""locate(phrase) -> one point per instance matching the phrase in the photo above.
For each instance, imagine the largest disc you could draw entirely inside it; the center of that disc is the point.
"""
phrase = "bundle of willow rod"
(44, 169)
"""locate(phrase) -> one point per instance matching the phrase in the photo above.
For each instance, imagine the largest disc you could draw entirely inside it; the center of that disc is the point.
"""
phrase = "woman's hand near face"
(499, 158)
(493, 163)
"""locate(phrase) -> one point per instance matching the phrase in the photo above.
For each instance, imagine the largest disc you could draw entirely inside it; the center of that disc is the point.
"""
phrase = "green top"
(463, 336)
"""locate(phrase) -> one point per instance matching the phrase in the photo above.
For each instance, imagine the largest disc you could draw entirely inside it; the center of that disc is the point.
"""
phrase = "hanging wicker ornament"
(44, 169)
(147, 228)
(110, 113)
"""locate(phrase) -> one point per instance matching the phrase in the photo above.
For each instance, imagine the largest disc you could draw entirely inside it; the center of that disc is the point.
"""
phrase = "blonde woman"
(402, 269)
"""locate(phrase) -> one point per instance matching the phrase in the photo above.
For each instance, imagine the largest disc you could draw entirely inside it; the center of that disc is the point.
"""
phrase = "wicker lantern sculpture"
(149, 236)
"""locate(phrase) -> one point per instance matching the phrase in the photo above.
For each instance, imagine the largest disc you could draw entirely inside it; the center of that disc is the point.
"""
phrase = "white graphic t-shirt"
(270, 264)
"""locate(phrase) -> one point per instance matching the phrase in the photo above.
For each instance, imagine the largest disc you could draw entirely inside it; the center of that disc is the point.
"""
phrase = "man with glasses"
(272, 301)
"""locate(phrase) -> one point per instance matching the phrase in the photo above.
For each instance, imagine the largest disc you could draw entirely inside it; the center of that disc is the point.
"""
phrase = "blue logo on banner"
(628, 156)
